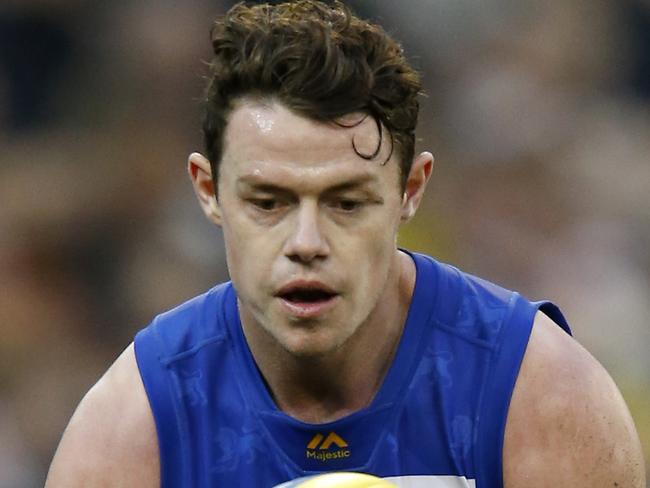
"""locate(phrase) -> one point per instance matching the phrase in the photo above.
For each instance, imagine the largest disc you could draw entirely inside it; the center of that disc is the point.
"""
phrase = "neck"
(324, 388)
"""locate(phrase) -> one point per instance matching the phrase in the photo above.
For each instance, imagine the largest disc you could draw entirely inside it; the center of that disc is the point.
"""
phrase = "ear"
(416, 183)
(201, 175)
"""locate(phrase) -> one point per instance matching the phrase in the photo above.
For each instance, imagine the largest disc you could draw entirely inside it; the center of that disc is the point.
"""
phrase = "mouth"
(307, 299)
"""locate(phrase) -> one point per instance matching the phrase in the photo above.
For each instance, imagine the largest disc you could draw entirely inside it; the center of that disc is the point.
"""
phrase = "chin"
(309, 345)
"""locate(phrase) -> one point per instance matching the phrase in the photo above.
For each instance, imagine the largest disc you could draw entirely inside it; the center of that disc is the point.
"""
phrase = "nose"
(307, 241)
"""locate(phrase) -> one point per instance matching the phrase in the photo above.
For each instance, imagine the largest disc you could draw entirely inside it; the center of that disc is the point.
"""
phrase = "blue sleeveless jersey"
(438, 419)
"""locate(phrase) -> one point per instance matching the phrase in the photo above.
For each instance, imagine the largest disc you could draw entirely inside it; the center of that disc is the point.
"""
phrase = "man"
(332, 349)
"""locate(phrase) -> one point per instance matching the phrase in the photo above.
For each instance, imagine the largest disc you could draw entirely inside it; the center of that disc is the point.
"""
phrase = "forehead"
(264, 137)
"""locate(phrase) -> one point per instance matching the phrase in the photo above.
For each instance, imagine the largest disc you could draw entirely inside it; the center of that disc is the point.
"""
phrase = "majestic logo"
(325, 448)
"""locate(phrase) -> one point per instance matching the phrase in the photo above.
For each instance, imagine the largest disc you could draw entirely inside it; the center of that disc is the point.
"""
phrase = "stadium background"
(538, 112)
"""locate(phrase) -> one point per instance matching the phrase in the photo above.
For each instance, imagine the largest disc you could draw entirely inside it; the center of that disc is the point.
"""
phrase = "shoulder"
(467, 305)
(111, 438)
(197, 321)
(568, 424)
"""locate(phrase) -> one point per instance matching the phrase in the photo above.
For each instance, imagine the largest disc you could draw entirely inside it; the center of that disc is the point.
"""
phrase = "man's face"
(309, 226)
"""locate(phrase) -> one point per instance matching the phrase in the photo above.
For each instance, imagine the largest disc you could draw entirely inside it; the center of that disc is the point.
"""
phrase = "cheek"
(250, 251)
(370, 255)
(240, 244)
(383, 243)
(382, 234)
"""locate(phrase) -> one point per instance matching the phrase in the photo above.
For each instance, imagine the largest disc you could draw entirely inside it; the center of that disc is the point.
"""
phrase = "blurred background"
(538, 112)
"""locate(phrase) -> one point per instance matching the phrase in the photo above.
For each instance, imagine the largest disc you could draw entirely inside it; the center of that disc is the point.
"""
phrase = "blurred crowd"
(538, 113)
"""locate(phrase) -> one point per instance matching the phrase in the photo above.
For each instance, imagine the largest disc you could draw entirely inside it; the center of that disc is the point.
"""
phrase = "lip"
(309, 310)
(306, 310)
(304, 285)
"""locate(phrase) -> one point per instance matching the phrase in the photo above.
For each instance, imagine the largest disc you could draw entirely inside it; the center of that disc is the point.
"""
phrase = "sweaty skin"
(568, 425)
(296, 203)
(111, 439)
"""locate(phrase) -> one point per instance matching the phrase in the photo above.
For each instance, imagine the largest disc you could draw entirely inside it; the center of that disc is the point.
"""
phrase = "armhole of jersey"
(554, 313)
(159, 392)
(501, 376)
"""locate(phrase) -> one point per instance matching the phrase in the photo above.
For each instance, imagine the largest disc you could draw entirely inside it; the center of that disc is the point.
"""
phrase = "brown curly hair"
(317, 59)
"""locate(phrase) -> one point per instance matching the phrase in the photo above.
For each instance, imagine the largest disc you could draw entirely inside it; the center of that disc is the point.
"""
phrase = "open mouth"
(307, 299)
(308, 296)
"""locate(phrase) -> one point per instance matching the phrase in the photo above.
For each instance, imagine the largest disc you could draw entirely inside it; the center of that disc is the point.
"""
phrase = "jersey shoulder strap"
(165, 352)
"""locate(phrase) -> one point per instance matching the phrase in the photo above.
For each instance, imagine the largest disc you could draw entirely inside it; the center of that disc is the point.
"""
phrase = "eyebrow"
(261, 184)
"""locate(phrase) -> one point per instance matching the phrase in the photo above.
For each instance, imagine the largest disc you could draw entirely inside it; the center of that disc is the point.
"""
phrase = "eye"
(347, 205)
(265, 204)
